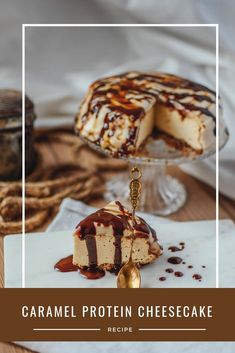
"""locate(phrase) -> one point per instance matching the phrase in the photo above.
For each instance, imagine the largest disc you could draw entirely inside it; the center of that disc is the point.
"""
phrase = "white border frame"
(24, 26)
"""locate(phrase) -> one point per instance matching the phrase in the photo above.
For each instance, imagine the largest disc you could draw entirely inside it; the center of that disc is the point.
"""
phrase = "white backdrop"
(61, 62)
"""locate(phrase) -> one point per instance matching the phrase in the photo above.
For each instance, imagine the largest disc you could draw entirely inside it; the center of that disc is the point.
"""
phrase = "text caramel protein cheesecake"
(103, 239)
(120, 112)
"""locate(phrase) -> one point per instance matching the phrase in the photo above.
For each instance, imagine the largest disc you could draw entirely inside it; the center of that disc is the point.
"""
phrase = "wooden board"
(12, 348)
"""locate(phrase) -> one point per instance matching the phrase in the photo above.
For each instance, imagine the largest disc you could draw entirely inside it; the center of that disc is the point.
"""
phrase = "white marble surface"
(43, 250)
(130, 347)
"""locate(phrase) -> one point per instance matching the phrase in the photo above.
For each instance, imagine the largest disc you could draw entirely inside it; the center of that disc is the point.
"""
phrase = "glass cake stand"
(161, 194)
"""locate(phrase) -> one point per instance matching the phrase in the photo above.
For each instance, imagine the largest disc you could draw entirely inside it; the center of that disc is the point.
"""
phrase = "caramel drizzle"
(114, 97)
(86, 231)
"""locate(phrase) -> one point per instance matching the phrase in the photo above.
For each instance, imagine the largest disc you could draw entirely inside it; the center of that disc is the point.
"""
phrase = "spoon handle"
(135, 190)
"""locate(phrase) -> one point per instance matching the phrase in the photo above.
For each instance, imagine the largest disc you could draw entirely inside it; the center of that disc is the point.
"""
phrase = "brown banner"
(117, 314)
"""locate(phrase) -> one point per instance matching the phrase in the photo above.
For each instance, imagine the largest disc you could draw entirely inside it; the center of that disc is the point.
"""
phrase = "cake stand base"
(161, 193)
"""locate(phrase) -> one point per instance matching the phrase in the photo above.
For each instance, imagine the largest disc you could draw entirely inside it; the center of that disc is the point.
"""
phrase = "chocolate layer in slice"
(103, 239)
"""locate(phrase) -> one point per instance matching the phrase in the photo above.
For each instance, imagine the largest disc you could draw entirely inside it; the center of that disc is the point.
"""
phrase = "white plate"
(43, 250)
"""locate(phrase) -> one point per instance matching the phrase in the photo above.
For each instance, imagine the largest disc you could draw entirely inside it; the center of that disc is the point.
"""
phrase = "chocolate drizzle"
(170, 80)
(120, 221)
(175, 248)
(122, 96)
(66, 265)
(92, 272)
(179, 274)
(175, 260)
(197, 277)
(118, 250)
(169, 270)
(86, 230)
(87, 226)
(92, 250)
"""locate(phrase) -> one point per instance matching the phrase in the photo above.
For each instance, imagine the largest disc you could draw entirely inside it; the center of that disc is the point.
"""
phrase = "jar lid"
(11, 109)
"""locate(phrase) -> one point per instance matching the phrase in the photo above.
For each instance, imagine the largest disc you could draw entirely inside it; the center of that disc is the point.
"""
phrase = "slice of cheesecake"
(120, 112)
(103, 239)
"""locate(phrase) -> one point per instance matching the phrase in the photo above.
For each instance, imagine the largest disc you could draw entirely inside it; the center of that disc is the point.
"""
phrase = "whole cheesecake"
(103, 239)
(120, 112)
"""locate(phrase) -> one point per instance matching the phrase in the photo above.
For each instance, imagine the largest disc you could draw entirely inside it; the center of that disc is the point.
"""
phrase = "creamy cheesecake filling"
(104, 239)
(120, 112)
(187, 129)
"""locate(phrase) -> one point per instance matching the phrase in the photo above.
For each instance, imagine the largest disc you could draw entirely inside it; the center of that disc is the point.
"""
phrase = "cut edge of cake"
(103, 239)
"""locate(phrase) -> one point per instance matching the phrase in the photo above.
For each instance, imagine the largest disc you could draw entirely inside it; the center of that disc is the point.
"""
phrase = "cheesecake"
(120, 112)
(103, 239)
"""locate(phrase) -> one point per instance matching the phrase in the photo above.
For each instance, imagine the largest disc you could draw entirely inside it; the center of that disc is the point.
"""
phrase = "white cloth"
(62, 62)
(71, 211)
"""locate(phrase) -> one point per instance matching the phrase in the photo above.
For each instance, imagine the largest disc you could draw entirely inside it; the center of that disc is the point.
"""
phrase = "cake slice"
(120, 112)
(103, 239)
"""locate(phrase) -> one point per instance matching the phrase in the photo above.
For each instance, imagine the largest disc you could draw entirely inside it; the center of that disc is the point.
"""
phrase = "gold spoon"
(129, 274)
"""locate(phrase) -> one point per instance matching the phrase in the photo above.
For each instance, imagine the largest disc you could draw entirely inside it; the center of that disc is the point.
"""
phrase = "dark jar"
(11, 135)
